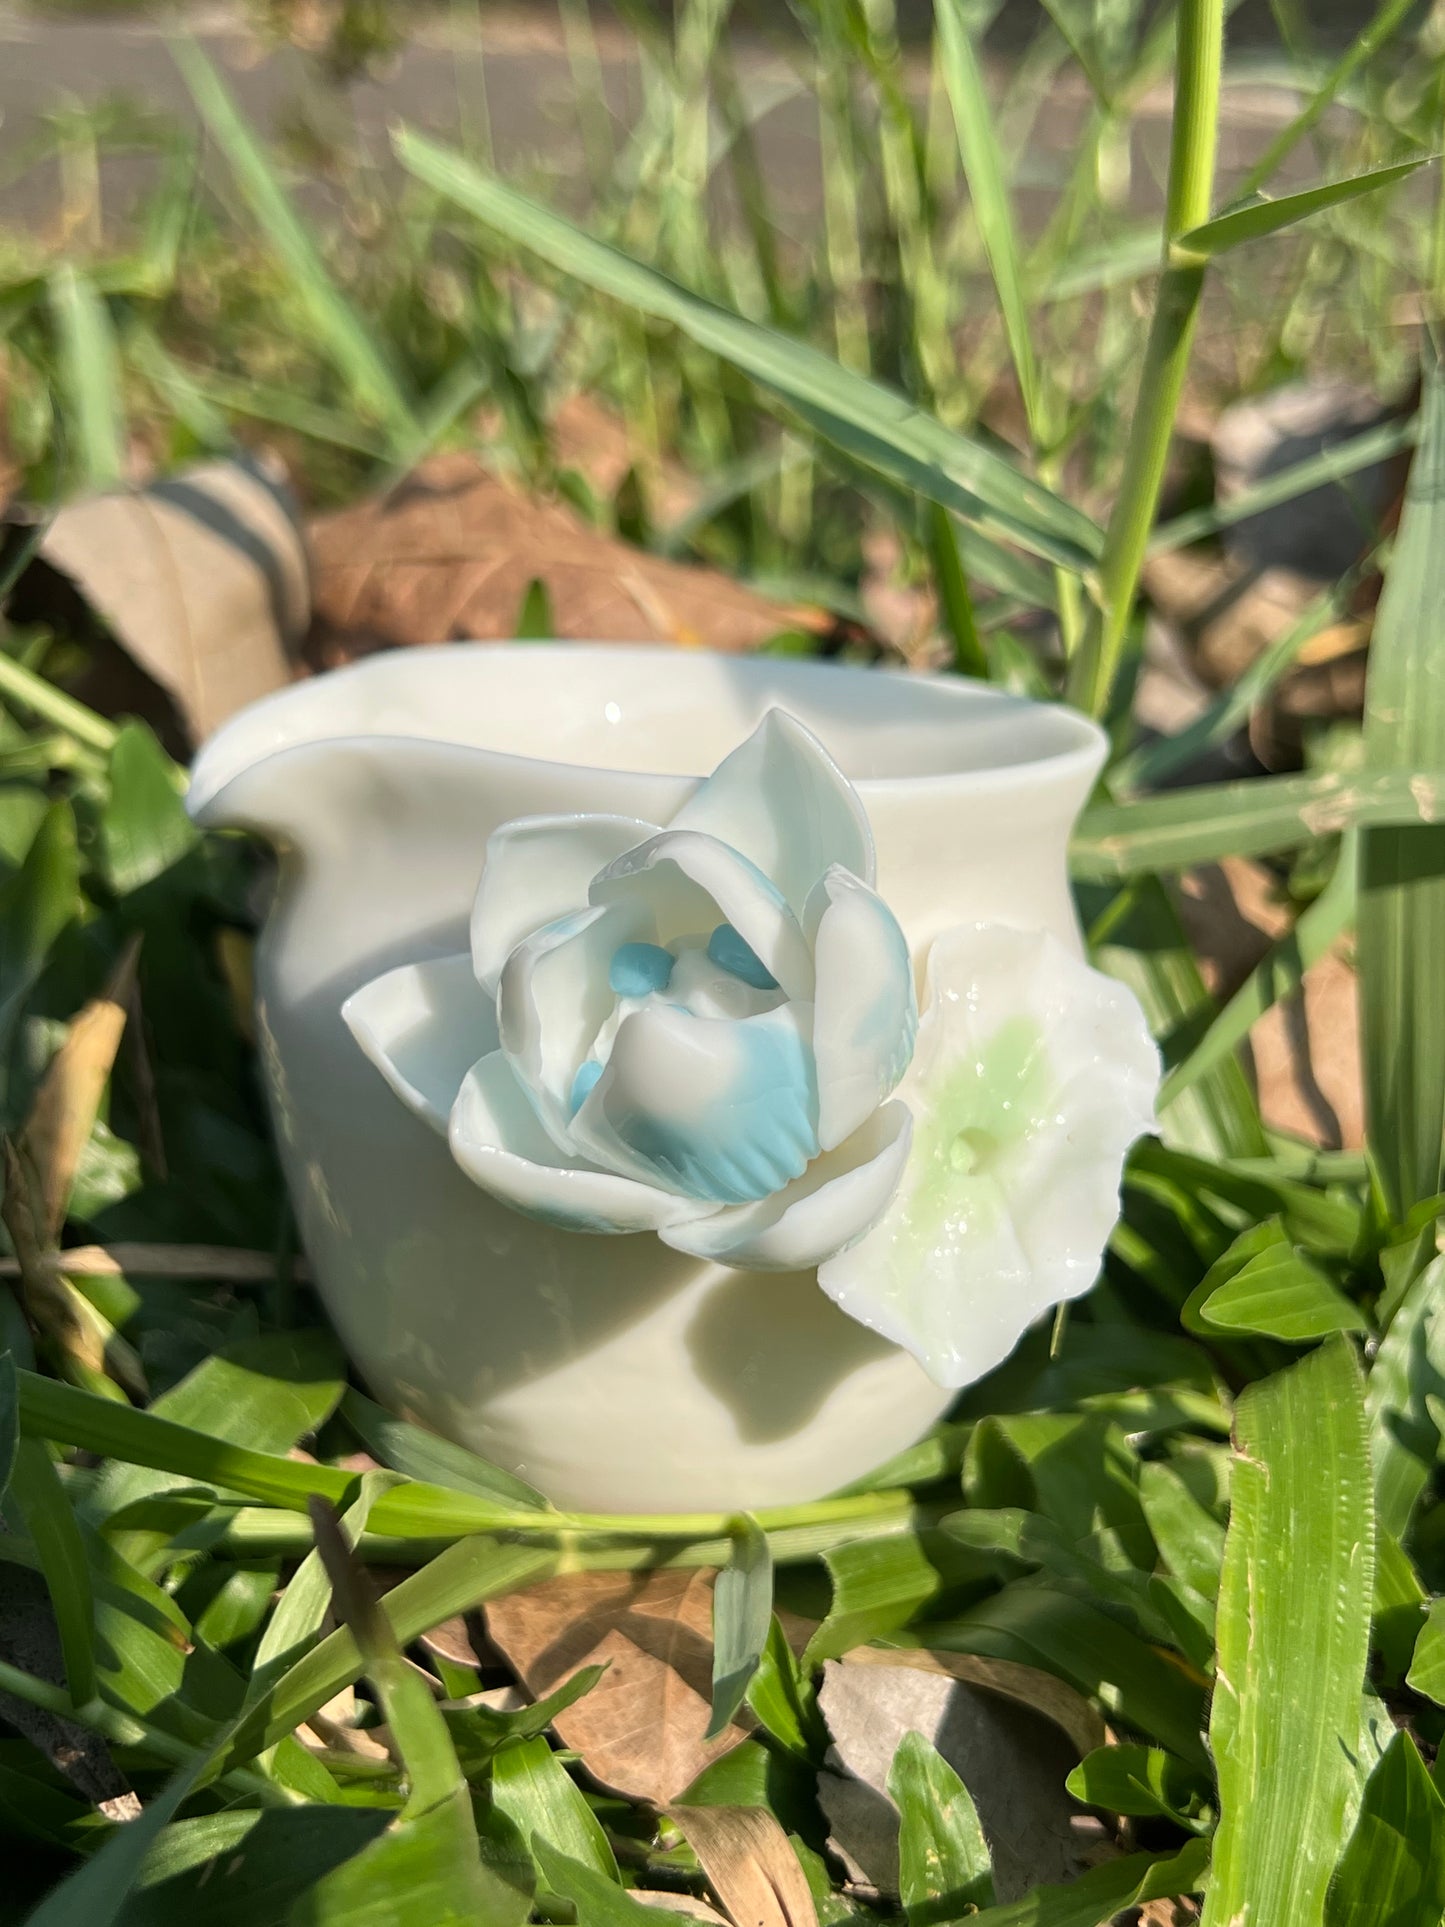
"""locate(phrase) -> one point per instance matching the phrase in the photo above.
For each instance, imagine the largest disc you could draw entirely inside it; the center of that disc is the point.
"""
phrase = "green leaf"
(1427, 1668)
(1408, 1371)
(1402, 871)
(480, 1732)
(1140, 1780)
(879, 1586)
(295, 1625)
(1265, 1283)
(423, 1455)
(1392, 1873)
(599, 1902)
(535, 621)
(1263, 216)
(145, 828)
(1096, 1897)
(45, 1507)
(89, 378)
(742, 1617)
(36, 905)
(943, 1859)
(983, 169)
(264, 1394)
(1293, 1631)
(874, 424)
(781, 1695)
(533, 1789)
(9, 1421)
(244, 1867)
(362, 363)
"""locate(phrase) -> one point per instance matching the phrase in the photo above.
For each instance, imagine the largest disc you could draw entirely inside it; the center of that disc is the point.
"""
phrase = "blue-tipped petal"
(729, 952)
(582, 1083)
(496, 1138)
(721, 1110)
(639, 969)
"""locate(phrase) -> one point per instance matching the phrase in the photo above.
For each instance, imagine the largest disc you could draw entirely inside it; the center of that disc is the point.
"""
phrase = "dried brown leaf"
(1039, 1691)
(749, 1865)
(640, 1731)
(67, 1103)
(201, 578)
(451, 554)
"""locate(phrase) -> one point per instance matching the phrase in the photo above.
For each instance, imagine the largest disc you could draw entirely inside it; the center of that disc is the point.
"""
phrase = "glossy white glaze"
(613, 1372)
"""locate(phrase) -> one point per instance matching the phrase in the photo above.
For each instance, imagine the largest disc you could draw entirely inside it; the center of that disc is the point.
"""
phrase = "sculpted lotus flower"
(707, 1031)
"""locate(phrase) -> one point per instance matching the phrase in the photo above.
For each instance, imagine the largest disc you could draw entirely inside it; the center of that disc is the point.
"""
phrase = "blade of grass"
(955, 602)
(1262, 217)
(742, 1617)
(45, 1508)
(983, 169)
(1358, 54)
(1249, 818)
(1402, 871)
(375, 387)
(89, 369)
(1293, 1636)
(1193, 140)
(869, 421)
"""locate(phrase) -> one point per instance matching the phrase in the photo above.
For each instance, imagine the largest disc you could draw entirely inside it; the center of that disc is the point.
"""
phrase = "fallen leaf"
(749, 1865)
(67, 1102)
(1012, 1760)
(1306, 1054)
(1026, 1686)
(640, 1731)
(451, 554)
(200, 577)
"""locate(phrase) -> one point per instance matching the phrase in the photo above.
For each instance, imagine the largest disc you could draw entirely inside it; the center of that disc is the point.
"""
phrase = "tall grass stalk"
(1193, 145)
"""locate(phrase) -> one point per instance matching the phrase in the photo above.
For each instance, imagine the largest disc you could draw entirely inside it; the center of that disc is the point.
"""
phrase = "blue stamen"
(730, 953)
(587, 1076)
(637, 969)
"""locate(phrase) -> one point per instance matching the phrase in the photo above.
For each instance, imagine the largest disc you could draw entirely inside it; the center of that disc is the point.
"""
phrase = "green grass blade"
(1392, 1873)
(375, 388)
(1257, 219)
(1361, 50)
(295, 1625)
(533, 1789)
(1293, 1633)
(1105, 1892)
(9, 1421)
(89, 369)
(742, 1617)
(419, 1454)
(944, 1865)
(1402, 871)
(45, 1507)
(875, 424)
(983, 169)
(1251, 818)
(954, 600)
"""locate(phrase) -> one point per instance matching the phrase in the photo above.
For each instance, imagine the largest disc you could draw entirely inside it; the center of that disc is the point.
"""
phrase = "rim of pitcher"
(1080, 747)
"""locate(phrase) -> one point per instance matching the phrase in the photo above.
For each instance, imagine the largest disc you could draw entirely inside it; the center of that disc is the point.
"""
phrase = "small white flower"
(697, 1031)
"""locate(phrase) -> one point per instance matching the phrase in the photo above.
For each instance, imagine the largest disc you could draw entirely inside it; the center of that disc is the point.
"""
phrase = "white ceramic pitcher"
(612, 1372)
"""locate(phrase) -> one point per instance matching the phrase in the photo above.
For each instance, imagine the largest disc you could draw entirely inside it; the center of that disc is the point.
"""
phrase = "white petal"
(537, 870)
(553, 999)
(498, 1141)
(690, 883)
(865, 1012)
(835, 1201)
(1033, 1075)
(715, 1108)
(782, 800)
(424, 1026)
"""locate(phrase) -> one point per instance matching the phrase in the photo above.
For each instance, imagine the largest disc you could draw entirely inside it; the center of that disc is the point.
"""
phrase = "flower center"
(972, 1151)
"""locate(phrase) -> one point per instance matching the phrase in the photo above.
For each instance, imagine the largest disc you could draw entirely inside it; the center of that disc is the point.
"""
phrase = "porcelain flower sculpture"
(710, 1032)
